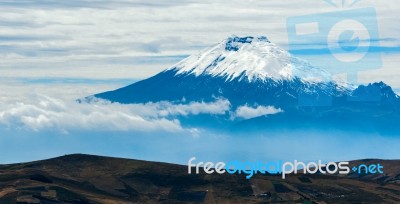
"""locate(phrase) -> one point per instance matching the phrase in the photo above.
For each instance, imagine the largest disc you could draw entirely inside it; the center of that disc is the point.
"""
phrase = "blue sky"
(53, 52)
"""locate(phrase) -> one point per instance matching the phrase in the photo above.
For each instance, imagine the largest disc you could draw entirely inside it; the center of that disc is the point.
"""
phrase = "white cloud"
(247, 112)
(219, 107)
(45, 113)
(39, 112)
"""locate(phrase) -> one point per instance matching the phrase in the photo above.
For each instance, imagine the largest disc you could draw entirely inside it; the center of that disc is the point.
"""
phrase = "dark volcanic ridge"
(94, 179)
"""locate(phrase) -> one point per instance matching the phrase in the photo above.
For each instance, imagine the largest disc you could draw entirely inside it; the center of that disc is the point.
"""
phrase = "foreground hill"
(95, 179)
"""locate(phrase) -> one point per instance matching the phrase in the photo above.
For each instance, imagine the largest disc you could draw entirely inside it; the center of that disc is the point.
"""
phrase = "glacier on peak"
(256, 58)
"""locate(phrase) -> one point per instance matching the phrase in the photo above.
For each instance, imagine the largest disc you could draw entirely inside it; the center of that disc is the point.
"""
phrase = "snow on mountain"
(244, 70)
(255, 58)
(254, 73)
(247, 70)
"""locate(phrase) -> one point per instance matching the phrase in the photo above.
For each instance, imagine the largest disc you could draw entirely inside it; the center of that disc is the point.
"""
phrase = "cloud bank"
(38, 112)
(46, 113)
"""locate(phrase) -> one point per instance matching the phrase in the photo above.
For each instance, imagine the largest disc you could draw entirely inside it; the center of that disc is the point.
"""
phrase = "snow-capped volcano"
(254, 58)
(244, 70)
(252, 71)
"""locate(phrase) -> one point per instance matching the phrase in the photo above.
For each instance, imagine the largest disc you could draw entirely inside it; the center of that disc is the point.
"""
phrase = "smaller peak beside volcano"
(251, 58)
(378, 91)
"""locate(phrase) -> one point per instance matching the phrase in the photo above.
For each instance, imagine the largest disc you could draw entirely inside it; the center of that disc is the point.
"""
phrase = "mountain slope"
(168, 86)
